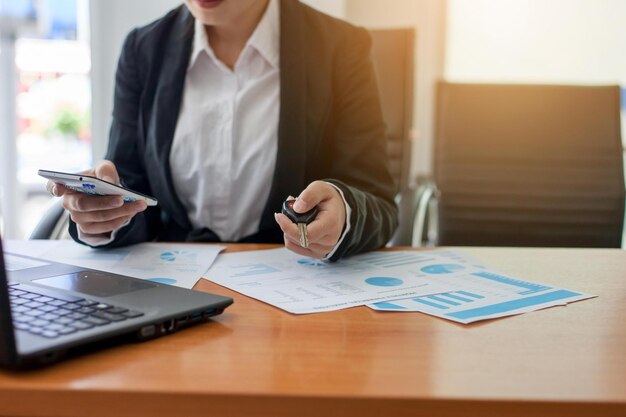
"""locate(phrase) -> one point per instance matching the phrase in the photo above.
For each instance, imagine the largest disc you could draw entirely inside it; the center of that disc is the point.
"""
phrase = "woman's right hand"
(96, 214)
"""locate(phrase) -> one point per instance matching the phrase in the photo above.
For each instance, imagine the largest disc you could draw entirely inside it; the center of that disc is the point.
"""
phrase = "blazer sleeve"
(125, 148)
(360, 167)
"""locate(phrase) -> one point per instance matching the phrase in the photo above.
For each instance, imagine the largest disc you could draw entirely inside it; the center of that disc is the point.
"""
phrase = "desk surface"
(256, 360)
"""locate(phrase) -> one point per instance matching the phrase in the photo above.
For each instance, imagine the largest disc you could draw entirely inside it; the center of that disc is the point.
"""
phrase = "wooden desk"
(256, 360)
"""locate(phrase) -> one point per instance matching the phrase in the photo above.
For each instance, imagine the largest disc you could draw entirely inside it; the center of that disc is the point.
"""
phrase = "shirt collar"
(265, 38)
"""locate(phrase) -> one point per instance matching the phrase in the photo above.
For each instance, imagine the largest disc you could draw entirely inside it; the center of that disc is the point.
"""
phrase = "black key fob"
(305, 218)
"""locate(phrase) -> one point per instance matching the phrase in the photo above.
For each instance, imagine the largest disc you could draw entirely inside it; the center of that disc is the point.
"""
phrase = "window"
(53, 101)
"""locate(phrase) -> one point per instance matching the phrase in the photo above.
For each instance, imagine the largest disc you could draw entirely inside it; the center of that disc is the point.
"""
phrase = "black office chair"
(53, 224)
(392, 55)
(528, 165)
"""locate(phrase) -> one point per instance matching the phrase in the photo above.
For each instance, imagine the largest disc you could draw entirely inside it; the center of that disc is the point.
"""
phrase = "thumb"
(310, 197)
(106, 170)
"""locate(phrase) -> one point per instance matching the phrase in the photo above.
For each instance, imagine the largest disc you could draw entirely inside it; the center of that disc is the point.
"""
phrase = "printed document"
(302, 285)
(480, 295)
(180, 265)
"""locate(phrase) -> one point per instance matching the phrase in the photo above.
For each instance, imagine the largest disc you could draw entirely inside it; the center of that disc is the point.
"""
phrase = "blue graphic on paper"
(174, 255)
(384, 281)
(390, 306)
(445, 300)
(469, 294)
(514, 304)
(168, 281)
(253, 269)
(442, 268)
(529, 287)
(311, 262)
(430, 303)
(391, 260)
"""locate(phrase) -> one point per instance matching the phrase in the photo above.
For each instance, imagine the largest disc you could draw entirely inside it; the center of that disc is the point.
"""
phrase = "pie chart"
(384, 281)
(177, 255)
(442, 268)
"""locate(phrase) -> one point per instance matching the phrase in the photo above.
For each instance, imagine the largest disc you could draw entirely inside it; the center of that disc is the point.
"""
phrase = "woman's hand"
(324, 232)
(96, 214)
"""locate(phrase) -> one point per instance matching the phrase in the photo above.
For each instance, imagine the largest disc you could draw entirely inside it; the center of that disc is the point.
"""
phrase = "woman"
(224, 108)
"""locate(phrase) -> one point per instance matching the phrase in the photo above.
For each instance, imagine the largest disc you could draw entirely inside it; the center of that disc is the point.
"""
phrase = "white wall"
(111, 20)
(428, 19)
(336, 8)
(561, 41)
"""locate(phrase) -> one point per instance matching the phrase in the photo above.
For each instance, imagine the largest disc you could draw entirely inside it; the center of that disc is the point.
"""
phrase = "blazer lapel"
(168, 91)
(289, 174)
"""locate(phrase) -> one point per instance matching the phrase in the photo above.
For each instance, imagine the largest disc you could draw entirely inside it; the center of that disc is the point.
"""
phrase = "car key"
(300, 219)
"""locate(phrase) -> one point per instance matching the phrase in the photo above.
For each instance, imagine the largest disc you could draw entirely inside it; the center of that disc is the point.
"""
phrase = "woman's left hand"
(324, 232)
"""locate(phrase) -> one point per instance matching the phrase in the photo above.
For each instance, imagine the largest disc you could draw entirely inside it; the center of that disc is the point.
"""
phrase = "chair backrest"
(392, 55)
(529, 165)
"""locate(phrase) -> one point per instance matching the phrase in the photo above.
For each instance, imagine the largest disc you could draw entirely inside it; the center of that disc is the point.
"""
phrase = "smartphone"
(92, 185)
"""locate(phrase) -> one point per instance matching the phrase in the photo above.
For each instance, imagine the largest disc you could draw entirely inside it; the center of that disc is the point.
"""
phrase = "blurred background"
(58, 57)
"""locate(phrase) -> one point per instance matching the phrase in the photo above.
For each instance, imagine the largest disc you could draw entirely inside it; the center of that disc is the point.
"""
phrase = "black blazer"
(330, 126)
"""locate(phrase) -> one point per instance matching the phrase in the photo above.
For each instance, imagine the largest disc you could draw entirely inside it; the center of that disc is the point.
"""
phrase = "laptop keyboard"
(53, 315)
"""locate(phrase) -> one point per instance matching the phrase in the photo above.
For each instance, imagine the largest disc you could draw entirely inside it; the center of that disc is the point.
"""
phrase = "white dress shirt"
(224, 149)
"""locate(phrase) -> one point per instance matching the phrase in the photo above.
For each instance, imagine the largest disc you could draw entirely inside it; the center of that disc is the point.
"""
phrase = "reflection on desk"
(257, 360)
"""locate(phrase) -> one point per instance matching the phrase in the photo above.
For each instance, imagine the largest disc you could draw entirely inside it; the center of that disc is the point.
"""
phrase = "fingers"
(312, 251)
(328, 225)
(292, 233)
(106, 220)
(103, 227)
(317, 248)
(106, 170)
(313, 195)
(96, 214)
(52, 189)
(80, 202)
(105, 215)
(59, 190)
(99, 214)
(288, 227)
(324, 231)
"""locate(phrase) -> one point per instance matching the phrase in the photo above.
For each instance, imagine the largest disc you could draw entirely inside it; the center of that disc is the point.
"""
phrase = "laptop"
(49, 310)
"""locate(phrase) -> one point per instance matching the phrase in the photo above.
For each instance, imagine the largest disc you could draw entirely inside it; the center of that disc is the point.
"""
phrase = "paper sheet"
(481, 295)
(15, 263)
(180, 265)
(304, 285)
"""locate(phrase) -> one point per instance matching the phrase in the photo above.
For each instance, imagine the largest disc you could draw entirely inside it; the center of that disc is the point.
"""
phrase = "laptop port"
(208, 313)
(147, 332)
(195, 316)
(181, 321)
(168, 326)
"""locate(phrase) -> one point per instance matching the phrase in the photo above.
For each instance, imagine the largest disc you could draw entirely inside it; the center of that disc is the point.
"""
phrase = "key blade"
(304, 241)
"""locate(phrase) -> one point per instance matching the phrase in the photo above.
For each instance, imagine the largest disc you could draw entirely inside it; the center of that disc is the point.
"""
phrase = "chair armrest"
(425, 215)
(53, 223)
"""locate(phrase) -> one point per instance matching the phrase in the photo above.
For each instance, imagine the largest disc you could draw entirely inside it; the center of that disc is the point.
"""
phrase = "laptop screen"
(8, 351)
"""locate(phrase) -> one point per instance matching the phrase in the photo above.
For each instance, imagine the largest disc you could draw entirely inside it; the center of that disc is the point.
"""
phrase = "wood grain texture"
(257, 360)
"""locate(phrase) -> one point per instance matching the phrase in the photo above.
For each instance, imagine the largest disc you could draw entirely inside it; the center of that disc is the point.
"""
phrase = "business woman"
(223, 109)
